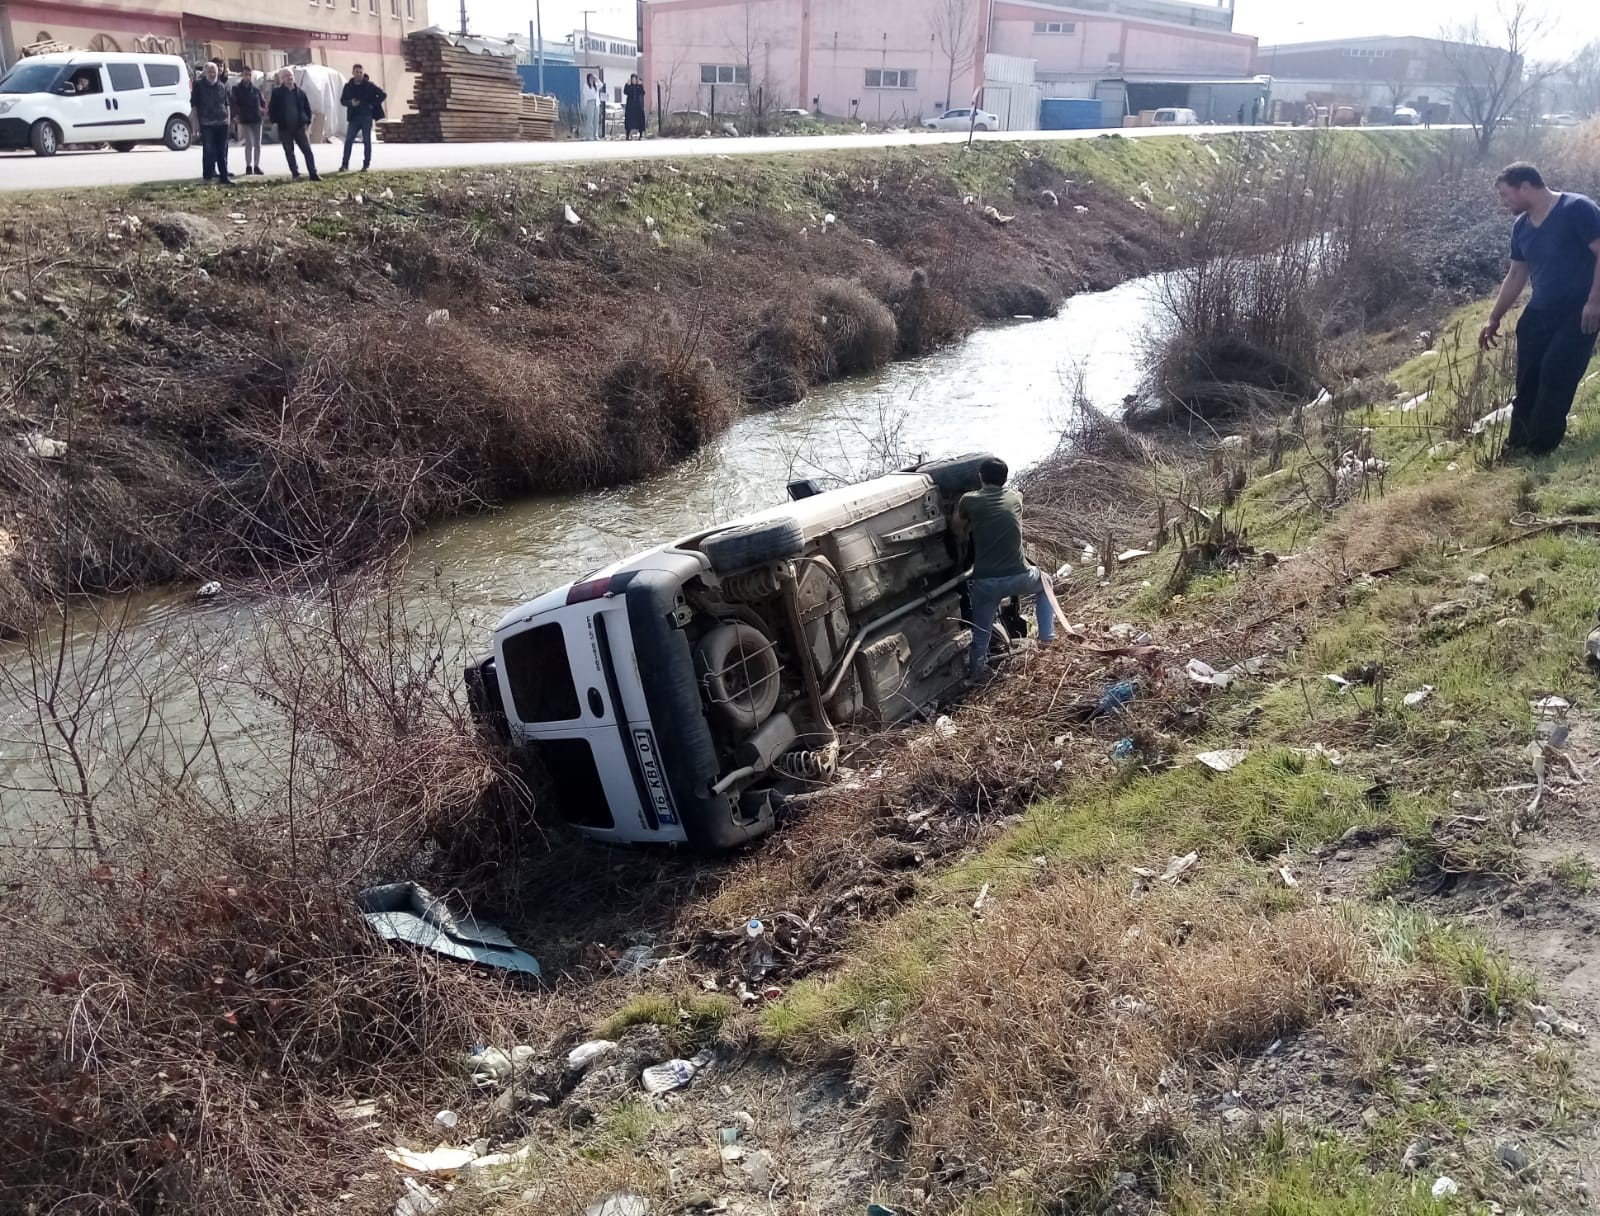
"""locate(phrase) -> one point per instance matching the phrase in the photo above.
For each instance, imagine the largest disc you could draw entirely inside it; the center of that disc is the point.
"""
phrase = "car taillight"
(597, 589)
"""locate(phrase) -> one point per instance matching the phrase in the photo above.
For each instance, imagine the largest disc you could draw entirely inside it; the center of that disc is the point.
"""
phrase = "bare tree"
(1582, 80)
(1493, 78)
(955, 31)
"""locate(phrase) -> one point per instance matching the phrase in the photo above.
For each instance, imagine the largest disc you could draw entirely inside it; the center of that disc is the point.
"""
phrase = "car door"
(88, 114)
(131, 108)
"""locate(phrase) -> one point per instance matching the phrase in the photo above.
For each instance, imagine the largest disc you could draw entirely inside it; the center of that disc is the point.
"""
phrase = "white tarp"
(323, 86)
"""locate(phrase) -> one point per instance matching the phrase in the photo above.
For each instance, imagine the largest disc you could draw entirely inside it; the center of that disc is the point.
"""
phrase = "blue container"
(1071, 114)
(560, 80)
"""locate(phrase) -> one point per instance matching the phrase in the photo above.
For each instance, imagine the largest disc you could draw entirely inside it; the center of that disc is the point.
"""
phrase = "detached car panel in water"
(669, 696)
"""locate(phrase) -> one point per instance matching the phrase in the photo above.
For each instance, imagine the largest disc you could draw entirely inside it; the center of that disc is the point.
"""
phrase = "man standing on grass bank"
(1555, 242)
(363, 105)
(993, 517)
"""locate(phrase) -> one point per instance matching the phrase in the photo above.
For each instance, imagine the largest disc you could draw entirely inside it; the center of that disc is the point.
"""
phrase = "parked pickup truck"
(669, 696)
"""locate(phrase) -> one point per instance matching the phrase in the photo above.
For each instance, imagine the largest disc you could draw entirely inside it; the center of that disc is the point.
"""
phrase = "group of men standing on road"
(216, 106)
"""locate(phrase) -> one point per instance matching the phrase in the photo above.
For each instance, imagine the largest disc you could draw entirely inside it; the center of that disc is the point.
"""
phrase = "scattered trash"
(994, 217)
(1320, 751)
(1445, 1188)
(1535, 753)
(619, 1203)
(635, 960)
(1081, 209)
(1448, 609)
(674, 1074)
(491, 1160)
(1224, 761)
(829, 219)
(760, 957)
(1479, 580)
(1493, 418)
(417, 1200)
(585, 1054)
(1550, 705)
(208, 591)
(1287, 875)
(1342, 684)
(34, 443)
(1252, 666)
(1513, 1156)
(490, 1068)
(437, 317)
(1176, 869)
(1416, 1154)
(1410, 406)
(877, 1209)
(1123, 750)
(1231, 441)
(983, 897)
(443, 1161)
(1413, 699)
(1133, 555)
(1204, 673)
(568, 214)
(1547, 1021)
(1115, 698)
(364, 1115)
(944, 727)
(445, 1120)
(759, 1166)
(403, 911)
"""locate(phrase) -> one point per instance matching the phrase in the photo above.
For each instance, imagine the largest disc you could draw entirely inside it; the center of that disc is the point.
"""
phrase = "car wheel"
(735, 549)
(45, 138)
(124, 145)
(956, 475)
(179, 135)
(981, 127)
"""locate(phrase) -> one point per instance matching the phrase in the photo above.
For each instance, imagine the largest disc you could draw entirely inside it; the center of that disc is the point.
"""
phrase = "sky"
(1271, 20)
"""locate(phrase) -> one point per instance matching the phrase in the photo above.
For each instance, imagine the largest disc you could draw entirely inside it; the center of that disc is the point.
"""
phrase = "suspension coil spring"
(750, 586)
(813, 765)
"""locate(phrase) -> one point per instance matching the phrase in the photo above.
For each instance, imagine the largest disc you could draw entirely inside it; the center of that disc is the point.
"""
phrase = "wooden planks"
(462, 96)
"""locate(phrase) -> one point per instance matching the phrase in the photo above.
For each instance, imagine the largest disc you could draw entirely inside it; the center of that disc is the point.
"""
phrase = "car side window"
(82, 82)
(125, 77)
(162, 75)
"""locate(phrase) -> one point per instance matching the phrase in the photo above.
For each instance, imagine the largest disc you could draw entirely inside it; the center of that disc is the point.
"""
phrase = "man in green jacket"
(992, 516)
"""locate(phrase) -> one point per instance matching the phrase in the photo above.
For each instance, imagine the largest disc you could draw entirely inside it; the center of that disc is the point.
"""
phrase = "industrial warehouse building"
(901, 60)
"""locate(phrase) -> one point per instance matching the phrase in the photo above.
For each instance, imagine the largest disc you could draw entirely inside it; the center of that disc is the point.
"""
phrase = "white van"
(671, 697)
(84, 97)
(1170, 116)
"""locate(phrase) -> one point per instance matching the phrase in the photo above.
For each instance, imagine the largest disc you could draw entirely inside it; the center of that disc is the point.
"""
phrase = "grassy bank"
(203, 385)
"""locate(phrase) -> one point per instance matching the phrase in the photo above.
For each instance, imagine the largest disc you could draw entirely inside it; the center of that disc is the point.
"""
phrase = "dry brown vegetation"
(1054, 1043)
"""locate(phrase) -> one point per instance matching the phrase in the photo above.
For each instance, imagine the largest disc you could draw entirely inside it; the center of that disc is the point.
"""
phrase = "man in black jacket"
(248, 108)
(290, 112)
(363, 105)
(208, 98)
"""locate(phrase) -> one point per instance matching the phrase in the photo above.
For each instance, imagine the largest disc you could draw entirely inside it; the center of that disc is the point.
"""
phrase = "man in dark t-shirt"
(1555, 243)
(992, 516)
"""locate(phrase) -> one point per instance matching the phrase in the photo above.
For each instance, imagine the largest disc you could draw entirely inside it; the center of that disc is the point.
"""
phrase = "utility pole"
(538, 42)
(463, 18)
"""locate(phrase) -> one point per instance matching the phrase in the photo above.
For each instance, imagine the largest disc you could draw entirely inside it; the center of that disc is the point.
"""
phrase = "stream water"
(1006, 389)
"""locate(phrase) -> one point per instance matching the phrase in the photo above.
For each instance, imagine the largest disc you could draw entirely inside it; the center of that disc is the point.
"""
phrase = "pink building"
(899, 60)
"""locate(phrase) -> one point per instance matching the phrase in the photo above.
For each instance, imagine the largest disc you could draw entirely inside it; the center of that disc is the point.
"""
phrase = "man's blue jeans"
(361, 127)
(987, 594)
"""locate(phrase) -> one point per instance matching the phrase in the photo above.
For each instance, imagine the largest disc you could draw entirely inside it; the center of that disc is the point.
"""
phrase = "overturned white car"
(669, 695)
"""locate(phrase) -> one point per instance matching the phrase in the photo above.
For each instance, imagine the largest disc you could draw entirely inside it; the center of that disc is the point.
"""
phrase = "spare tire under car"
(739, 667)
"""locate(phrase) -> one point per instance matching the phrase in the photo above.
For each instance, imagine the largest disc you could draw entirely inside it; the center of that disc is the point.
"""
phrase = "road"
(68, 170)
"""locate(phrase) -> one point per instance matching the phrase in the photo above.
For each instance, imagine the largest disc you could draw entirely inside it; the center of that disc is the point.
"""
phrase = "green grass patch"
(692, 1020)
(1575, 873)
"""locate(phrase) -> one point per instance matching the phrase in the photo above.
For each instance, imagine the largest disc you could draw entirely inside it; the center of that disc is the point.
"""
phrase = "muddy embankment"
(245, 385)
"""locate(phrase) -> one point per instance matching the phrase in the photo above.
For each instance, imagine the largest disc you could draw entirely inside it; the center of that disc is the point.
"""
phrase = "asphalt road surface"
(67, 170)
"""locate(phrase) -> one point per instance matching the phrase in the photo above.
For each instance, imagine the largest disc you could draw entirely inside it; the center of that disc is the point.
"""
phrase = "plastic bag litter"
(1115, 697)
(1493, 418)
(1204, 673)
(489, 1067)
(619, 1203)
(636, 959)
(1548, 1021)
(417, 1200)
(673, 1074)
(1550, 705)
(1177, 867)
(1413, 699)
(1445, 1188)
(585, 1054)
(443, 1160)
(1225, 760)
(445, 1120)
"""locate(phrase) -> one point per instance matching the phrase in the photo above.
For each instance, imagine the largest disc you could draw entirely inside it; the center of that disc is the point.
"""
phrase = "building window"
(891, 78)
(724, 73)
(372, 7)
(1055, 27)
(411, 10)
(394, 9)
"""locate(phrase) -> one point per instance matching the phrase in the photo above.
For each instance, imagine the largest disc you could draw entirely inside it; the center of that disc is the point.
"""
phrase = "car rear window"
(124, 76)
(540, 676)
(161, 75)
(575, 782)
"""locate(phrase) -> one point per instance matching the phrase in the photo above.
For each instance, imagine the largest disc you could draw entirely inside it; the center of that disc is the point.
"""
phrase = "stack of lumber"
(50, 46)
(460, 96)
(538, 117)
